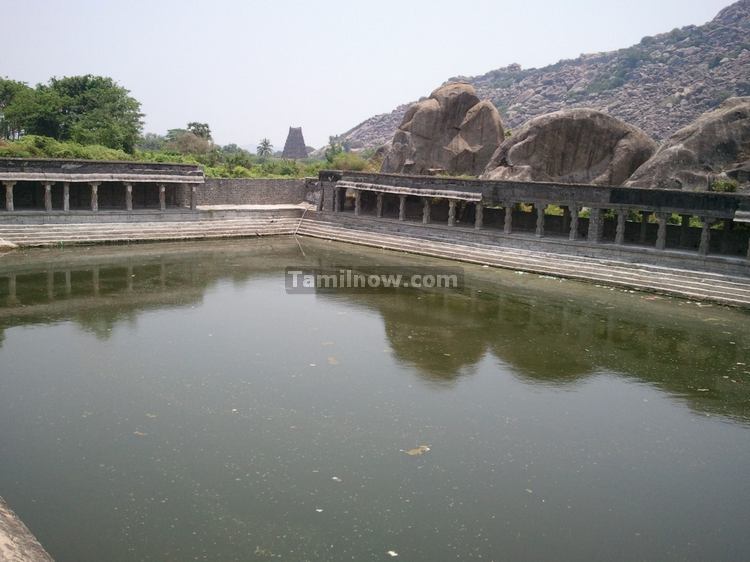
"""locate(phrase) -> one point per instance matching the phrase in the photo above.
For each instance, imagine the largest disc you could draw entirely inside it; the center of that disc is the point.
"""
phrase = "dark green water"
(174, 403)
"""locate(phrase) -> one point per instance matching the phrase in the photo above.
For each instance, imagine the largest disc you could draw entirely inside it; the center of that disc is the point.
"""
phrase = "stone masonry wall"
(251, 191)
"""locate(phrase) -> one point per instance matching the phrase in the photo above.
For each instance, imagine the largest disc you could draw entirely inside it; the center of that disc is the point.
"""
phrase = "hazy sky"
(251, 69)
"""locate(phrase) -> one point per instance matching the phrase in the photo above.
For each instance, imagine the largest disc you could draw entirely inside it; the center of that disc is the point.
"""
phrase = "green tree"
(85, 109)
(186, 142)
(152, 142)
(265, 148)
(9, 90)
(201, 130)
(334, 148)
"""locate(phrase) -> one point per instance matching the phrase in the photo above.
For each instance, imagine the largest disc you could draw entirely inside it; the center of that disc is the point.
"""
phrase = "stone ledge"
(17, 544)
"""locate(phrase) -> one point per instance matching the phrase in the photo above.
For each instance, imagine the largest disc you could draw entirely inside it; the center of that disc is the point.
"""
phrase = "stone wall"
(251, 191)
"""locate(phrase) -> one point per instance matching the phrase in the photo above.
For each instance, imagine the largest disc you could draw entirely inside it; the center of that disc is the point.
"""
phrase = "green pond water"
(173, 402)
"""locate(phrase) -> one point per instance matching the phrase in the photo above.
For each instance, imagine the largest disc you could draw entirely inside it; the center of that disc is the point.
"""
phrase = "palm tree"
(265, 148)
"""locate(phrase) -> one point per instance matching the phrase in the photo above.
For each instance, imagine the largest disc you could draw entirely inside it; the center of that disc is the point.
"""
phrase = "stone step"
(141, 226)
(714, 293)
(440, 234)
(727, 290)
(40, 235)
(560, 258)
(567, 258)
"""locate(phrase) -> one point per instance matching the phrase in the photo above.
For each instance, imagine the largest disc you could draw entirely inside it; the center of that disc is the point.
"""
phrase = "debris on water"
(139, 434)
(234, 410)
(416, 451)
(332, 360)
(703, 390)
(312, 365)
(318, 510)
(327, 343)
(264, 552)
(529, 491)
(152, 416)
(392, 553)
(336, 479)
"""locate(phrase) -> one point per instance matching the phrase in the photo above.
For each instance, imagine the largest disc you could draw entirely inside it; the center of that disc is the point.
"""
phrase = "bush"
(35, 146)
(349, 161)
(724, 186)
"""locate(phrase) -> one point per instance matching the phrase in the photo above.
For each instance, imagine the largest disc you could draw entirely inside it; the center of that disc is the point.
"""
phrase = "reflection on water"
(171, 402)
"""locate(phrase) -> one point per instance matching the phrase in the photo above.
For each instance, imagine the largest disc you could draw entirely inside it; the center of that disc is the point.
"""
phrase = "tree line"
(93, 117)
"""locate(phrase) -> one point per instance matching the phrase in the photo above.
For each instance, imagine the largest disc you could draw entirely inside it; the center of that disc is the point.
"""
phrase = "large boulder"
(715, 146)
(451, 131)
(572, 146)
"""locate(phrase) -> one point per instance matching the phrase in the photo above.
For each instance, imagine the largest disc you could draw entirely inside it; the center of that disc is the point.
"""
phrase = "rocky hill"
(659, 85)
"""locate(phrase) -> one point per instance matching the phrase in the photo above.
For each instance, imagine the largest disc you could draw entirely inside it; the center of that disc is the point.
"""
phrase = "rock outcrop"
(572, 146)
(659, 85)
(452, 130)
(716, 146)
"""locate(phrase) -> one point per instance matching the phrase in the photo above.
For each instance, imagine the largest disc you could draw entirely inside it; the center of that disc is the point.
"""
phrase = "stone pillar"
(479, 215)
(162, 197)
(9, 195)
(379, 206)
(47, 197)
(622, 215)
(337, 199)
(426, 210)
(566, 220)
(705, 237)
(66, 197)
(129, 280)
(402, 207)
(573, 233)
(595, 223)
(661, 236)
(94, 196)
(644, 226)
(357, 202)
(193, 197)
(508, 223)
(684, 230)
(68, 283)
(128, 196)
(540, 221)
(726, 233)
(451, 212)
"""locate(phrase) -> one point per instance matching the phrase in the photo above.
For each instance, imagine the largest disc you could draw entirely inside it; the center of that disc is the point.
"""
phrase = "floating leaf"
(415, 452)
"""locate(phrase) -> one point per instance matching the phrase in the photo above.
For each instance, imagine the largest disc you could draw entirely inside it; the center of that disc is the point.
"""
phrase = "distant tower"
(294, 147)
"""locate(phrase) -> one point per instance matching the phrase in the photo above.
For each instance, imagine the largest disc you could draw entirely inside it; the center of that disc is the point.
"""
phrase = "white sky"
(252, 68)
